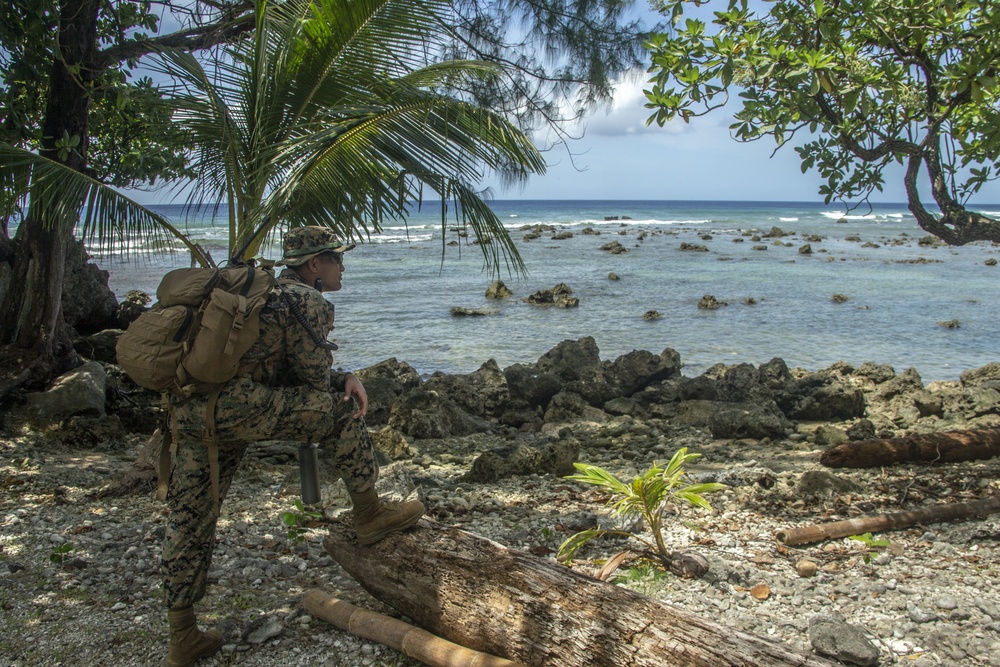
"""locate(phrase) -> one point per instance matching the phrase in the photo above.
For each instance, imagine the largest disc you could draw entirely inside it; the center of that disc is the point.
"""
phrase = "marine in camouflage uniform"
(284, 390)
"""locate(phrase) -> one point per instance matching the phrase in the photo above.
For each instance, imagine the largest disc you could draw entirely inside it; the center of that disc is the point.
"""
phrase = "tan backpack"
(203, 323)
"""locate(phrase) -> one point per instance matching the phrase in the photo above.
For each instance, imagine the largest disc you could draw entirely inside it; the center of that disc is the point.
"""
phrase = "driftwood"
(405, 638)
(509, 603)
(895, 521)
(946, 447)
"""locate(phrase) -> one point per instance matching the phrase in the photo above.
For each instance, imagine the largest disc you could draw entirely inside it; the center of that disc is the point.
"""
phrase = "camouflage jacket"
(285, 354)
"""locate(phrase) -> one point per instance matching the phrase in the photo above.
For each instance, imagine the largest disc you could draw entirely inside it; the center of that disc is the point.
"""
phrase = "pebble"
(908, 604)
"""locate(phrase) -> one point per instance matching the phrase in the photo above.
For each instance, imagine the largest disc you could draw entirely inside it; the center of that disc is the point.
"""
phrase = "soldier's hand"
(354, 389)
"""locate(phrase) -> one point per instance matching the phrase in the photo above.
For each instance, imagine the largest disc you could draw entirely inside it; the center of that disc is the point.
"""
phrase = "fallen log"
(883, 522)
(947, 447)
(411, 641)
(509, 603)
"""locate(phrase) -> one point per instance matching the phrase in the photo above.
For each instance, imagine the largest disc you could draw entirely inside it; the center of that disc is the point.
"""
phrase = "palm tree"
(340, 113)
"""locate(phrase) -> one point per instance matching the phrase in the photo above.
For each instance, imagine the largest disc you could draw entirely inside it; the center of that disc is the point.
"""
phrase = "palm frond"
(106, 219)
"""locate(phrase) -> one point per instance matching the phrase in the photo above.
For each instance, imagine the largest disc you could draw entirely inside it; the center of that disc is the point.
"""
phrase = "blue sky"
(619, 158)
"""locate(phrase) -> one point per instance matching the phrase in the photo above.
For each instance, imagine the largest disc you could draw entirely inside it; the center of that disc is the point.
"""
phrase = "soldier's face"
(330, 267)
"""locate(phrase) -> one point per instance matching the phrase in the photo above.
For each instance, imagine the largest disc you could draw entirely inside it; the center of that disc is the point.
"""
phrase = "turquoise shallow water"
(398, 294)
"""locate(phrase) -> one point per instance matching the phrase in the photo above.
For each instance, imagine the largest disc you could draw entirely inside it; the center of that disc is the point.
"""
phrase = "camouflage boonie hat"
(302, 243)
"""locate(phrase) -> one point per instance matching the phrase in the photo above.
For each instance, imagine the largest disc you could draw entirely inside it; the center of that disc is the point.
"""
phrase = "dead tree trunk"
(947, 447)
(508, 603)
(881, 522)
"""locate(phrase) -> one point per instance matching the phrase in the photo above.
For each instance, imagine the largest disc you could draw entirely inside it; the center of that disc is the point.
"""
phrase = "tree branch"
(238, 20)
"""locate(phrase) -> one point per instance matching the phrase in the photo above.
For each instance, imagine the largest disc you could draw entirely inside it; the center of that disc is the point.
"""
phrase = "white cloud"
(628, 114)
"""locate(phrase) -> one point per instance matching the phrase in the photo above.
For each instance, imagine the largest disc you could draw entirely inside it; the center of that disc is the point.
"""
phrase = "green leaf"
(568, 549)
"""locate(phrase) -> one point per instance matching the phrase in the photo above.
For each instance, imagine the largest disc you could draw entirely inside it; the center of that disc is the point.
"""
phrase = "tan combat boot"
(188, 644)
(374, 519)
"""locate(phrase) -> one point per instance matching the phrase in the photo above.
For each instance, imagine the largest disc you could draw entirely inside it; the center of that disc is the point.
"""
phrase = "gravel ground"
(79, 582)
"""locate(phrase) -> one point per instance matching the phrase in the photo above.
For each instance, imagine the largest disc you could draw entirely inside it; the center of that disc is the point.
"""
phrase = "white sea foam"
(788, 219)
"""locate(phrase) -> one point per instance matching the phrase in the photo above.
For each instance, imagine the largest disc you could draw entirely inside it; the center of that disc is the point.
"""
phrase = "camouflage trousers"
(247, 412)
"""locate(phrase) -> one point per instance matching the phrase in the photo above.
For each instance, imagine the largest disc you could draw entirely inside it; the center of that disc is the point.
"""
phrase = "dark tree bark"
(35, 345)
(511, 604)
(31, 315)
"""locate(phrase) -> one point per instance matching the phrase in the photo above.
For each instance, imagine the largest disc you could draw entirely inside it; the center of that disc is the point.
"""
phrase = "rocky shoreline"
(487, 452)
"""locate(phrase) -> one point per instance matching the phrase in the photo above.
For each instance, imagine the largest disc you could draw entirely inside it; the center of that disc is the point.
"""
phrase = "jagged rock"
(625, 406)
(384, 383)
(79, 392)
(875, 373)
(563, 301)
(262, 629)
(805, 249)
(421, 413)
(132, 306)
(701, 388)
(742, 383)
(562, 236)
(828, 401)
(693, 247)
(567, 406)
(613, 276)
(462, 311)
(532, 386)
(572, 360)
(551, 457)
(696, 412)
(615, 248)
(775, 233)
(99, 346)
(829, 436)
(988, 375)
(749, 420)
(482, 393)
(822, 483)
(634, 371)
(391, 443)
(863, 429)
(578, 364)
(709, 302)
(651, 315)
(832, 636)
(498, 290)
(557, 296)
(88, 304)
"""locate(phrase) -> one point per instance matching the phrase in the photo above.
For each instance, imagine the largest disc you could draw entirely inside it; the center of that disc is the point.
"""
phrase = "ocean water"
(399, 290)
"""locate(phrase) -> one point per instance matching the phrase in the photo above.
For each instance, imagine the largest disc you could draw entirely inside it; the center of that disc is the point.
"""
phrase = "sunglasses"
(335, 257)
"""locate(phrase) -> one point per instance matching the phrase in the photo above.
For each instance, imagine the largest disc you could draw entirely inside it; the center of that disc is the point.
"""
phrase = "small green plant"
(645, 577)
(647, 496)
(296, 521)
(871, 544)
(60, 553)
